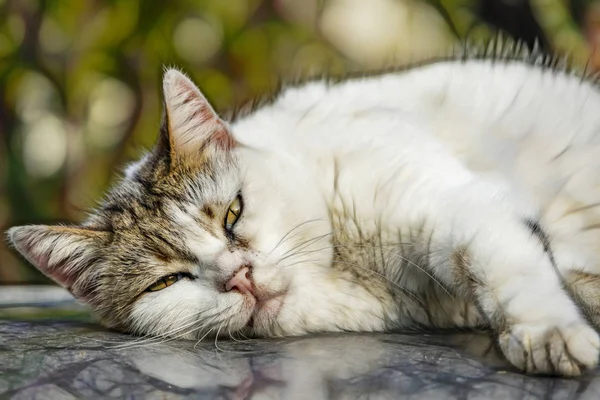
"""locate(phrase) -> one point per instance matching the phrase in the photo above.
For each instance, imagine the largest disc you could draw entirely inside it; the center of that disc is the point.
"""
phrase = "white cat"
(462, 193)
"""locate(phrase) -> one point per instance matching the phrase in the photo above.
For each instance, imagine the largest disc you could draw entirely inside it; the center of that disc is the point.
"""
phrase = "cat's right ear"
(64, 254)
(190, 125)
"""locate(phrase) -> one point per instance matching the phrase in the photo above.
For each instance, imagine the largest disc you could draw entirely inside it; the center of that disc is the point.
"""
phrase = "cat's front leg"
(485, 249)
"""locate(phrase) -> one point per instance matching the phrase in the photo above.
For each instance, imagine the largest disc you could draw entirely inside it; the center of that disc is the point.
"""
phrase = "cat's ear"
(190, 124)
(62, 253)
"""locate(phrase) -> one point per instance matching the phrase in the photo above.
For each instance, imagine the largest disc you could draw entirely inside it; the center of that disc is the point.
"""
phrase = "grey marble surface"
(50, 349)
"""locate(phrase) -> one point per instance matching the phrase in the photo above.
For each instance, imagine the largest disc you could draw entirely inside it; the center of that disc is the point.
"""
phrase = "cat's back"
(461, 100)
(517, 123)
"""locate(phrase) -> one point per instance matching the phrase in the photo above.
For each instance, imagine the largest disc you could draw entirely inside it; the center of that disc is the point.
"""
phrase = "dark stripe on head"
(208, 211)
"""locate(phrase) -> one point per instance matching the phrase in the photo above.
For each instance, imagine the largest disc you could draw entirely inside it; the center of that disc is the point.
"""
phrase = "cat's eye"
(164, 282)
(233, 213)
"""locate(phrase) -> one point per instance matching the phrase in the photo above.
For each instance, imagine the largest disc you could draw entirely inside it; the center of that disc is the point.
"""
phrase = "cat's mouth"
(265, 309)
(263, 304)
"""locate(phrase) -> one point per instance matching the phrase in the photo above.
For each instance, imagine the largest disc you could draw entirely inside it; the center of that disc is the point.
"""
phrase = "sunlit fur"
(447, 195)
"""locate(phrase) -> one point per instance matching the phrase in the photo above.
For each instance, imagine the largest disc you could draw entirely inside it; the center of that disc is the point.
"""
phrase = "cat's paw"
(565, 351)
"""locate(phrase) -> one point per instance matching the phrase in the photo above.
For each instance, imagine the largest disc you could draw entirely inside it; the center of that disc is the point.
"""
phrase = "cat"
(461, 193)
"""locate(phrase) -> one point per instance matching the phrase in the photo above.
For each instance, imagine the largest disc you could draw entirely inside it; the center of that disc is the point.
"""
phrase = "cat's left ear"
(67, 255)
(190, 123)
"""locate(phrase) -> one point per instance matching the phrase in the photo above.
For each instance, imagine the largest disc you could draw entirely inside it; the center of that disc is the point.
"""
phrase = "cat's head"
(205, 235)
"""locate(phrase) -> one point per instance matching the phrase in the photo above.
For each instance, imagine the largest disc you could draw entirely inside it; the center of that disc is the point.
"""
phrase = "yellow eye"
(164, 282)
(233, 213)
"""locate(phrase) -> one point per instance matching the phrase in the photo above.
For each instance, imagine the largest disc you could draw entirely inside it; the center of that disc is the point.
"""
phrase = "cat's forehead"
(140, 206)
(153, 232)
(152, 189)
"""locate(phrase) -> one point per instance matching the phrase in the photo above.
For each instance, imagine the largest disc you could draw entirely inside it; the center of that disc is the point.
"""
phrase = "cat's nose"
(241, 282)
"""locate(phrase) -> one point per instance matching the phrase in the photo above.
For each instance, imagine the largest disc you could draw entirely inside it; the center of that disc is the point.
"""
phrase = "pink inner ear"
(192, 121)
(203, 112)
(223, 138)
(32, 246)
(203, 115)
(67, 280)
(61, 253)
(66, 276)
(59, 273)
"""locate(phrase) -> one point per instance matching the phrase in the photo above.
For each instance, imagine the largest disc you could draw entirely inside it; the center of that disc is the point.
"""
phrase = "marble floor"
(51, 349)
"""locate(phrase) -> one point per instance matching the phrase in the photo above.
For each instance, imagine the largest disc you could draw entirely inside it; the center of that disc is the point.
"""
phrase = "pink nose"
(240, 282)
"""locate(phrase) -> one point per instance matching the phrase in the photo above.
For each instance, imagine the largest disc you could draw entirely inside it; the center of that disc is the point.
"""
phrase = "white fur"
(426, 130)
(461, 152)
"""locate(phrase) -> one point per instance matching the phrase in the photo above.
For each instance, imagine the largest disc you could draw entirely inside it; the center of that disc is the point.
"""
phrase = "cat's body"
(457, 194)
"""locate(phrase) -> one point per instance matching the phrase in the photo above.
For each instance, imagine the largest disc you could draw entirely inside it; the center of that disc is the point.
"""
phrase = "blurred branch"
(437, 4)
(578, 10)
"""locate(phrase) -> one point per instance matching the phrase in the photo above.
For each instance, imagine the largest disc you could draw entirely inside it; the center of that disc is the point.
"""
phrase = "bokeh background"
(80, 79)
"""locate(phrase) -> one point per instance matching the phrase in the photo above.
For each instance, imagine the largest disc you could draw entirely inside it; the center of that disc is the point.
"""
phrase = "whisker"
(299, 262)
(292, 230)
(306, 243)
(385, 278)
(202, 338)
(433, 278)
(180, 331)
(145, 339)
(381, 249)
(339, 246)
(397, 285)
(161, 338)
(217, 338)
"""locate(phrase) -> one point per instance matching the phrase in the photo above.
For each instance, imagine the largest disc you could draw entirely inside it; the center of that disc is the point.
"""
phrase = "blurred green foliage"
(80, 80)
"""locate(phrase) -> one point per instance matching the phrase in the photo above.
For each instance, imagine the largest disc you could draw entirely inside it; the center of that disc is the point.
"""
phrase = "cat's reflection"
(318, 367)
(92, 364)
